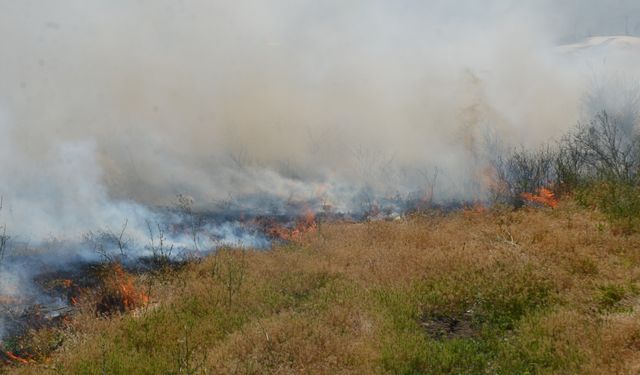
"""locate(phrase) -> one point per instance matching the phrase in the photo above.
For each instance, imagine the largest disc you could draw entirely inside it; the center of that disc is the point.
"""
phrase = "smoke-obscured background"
(110, 107)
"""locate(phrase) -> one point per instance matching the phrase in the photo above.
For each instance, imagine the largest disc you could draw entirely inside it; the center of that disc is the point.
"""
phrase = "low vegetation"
(536, 291)
(598, 163)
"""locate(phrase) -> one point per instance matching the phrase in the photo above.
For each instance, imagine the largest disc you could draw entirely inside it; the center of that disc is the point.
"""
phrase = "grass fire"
(320, 187)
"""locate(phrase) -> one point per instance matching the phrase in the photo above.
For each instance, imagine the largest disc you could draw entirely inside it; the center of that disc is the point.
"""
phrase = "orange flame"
(120, 292)
(16, 358)
(545, 197)
(131, 297)
(304, 224)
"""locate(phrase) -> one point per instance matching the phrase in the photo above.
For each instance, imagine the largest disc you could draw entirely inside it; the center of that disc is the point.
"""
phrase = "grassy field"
(531, 291)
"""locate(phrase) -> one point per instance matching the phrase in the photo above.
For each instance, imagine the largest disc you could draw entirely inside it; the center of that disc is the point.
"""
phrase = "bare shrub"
(522, 171)
(605, 148)
(568, 165)
(161, 251)
(185, 205)
(111, 246)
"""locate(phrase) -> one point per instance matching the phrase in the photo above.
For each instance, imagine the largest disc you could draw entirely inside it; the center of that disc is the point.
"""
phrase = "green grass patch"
(462, 323)
(619, 201)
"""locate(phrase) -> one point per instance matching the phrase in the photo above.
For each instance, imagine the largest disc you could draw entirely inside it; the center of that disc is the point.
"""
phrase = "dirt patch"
(443, 327)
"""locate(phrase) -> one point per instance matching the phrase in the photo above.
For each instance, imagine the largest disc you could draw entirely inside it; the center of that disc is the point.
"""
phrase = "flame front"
(13, 358)
(305, 224)
(120, 293)
(545, 197)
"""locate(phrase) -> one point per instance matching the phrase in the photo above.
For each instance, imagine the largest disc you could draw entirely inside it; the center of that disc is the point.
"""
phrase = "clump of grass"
(456, 324)
(609, 296)
(619, 201)
(32, 346)
(118, 292)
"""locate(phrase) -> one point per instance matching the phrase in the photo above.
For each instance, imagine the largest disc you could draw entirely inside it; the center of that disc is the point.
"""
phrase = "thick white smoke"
(110, 108)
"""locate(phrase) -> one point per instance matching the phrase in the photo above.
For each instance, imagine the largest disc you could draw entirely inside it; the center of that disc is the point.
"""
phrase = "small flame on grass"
(544, 197)
(16, 359)
(131, 297)
(120, 292)
(305, 224)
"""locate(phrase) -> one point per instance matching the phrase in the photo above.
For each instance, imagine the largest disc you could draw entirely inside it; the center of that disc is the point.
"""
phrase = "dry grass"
(527, 291)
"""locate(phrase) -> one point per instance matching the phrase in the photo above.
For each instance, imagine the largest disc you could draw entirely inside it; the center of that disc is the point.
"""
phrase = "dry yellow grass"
(533, 290)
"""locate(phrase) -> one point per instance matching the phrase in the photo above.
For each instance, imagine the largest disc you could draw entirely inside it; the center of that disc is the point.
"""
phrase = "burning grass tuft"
(544, 197)
(304, 224)
(118, 293)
